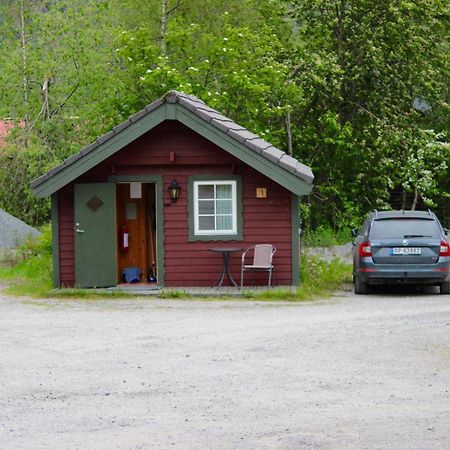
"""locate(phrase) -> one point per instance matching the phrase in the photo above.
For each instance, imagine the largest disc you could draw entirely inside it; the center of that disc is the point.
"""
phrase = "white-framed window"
(215, 208)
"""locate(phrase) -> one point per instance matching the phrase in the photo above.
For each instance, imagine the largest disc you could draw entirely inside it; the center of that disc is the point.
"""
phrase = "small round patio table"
(225, 264)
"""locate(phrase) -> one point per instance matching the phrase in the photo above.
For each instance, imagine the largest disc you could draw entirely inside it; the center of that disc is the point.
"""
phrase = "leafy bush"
(18, 167)
(317, 275)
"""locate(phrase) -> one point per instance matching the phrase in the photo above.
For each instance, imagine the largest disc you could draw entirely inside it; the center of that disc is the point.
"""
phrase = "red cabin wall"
(174, 151)
(265, 221)
(66, 236)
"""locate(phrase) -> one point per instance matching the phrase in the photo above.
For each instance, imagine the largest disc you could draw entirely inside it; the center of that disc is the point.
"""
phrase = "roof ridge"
(198, 107)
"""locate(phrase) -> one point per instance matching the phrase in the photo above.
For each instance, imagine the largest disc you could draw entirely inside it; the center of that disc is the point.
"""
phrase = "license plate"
(405, 251)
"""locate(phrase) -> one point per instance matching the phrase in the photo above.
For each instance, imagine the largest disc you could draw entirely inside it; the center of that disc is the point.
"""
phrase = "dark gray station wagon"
(401, 247)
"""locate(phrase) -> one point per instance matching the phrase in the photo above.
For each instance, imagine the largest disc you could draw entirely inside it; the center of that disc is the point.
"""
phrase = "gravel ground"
(367, 372)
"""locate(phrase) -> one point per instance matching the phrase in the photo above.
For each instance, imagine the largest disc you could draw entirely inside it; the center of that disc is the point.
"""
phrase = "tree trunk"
(45, 100)
(416, 196)
(340, 15)
(289, 132)
(340, 37)
(403, 198)
(164, 16)
(24, 60)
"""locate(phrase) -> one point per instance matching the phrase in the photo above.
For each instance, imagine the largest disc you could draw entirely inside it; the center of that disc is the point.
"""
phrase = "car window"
(364, 227)
(403, 228)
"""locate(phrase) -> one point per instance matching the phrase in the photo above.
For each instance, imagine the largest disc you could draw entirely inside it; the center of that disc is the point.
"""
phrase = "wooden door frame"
(157, 180)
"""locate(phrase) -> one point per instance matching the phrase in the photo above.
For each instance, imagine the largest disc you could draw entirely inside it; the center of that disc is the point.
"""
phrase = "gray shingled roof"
(209, 115)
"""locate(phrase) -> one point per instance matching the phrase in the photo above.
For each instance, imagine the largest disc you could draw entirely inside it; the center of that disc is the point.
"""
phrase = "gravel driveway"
(367, 372)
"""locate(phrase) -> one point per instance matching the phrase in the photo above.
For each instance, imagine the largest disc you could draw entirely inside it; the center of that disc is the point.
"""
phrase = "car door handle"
(79, 231)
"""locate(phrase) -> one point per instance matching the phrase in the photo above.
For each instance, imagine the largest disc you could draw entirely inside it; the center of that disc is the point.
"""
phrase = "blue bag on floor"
(131, 274)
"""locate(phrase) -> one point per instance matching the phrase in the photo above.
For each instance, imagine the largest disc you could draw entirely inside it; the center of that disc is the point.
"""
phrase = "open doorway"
(136, 231)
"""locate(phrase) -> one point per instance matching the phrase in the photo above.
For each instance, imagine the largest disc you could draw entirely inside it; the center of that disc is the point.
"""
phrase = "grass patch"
(172, 294)
(318, 278)
(29, 288)
(88, 294)
(28, 268)
(28, 271)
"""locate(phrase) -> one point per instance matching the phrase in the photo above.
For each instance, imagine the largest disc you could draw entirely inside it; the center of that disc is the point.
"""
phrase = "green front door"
(95, 235)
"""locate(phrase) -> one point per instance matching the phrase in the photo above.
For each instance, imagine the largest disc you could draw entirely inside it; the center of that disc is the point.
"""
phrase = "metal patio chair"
(262, 260)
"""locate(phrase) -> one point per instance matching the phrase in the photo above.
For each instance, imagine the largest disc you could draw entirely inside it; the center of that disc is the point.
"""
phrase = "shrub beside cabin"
(111, 205)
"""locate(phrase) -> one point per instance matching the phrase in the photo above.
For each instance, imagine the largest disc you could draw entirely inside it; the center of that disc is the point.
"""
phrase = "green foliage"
(326, 237)
(426, 164)
(317, 275)
(362, 65)
(346, 74)
(18, 167)
(237, 71)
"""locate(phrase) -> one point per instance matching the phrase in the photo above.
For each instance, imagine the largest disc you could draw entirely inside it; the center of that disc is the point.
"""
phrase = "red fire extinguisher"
(124, 244)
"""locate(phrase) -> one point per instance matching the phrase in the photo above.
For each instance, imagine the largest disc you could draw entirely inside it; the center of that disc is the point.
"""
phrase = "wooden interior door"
(137, 215)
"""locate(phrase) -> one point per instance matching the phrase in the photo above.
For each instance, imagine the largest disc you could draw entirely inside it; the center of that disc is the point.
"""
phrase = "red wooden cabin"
(111, 205)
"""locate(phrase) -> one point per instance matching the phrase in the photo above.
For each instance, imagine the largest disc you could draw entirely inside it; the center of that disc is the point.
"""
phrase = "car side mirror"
(355, 232)
(446, 231)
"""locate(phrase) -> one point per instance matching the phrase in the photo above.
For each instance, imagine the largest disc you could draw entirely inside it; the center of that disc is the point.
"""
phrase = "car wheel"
(361, 287)
(445, 287)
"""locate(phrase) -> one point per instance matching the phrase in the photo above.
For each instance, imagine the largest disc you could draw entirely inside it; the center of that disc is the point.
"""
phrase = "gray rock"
(342, 252)
(13, 231)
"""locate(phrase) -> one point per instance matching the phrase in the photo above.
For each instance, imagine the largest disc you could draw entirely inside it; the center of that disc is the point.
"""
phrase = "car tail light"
(364, 249)
(445, 249)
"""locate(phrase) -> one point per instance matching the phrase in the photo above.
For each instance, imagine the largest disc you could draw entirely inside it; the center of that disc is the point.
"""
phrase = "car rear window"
(401, 228)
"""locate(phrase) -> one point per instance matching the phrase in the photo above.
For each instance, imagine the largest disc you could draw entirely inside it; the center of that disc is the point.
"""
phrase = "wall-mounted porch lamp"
(174, 191)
